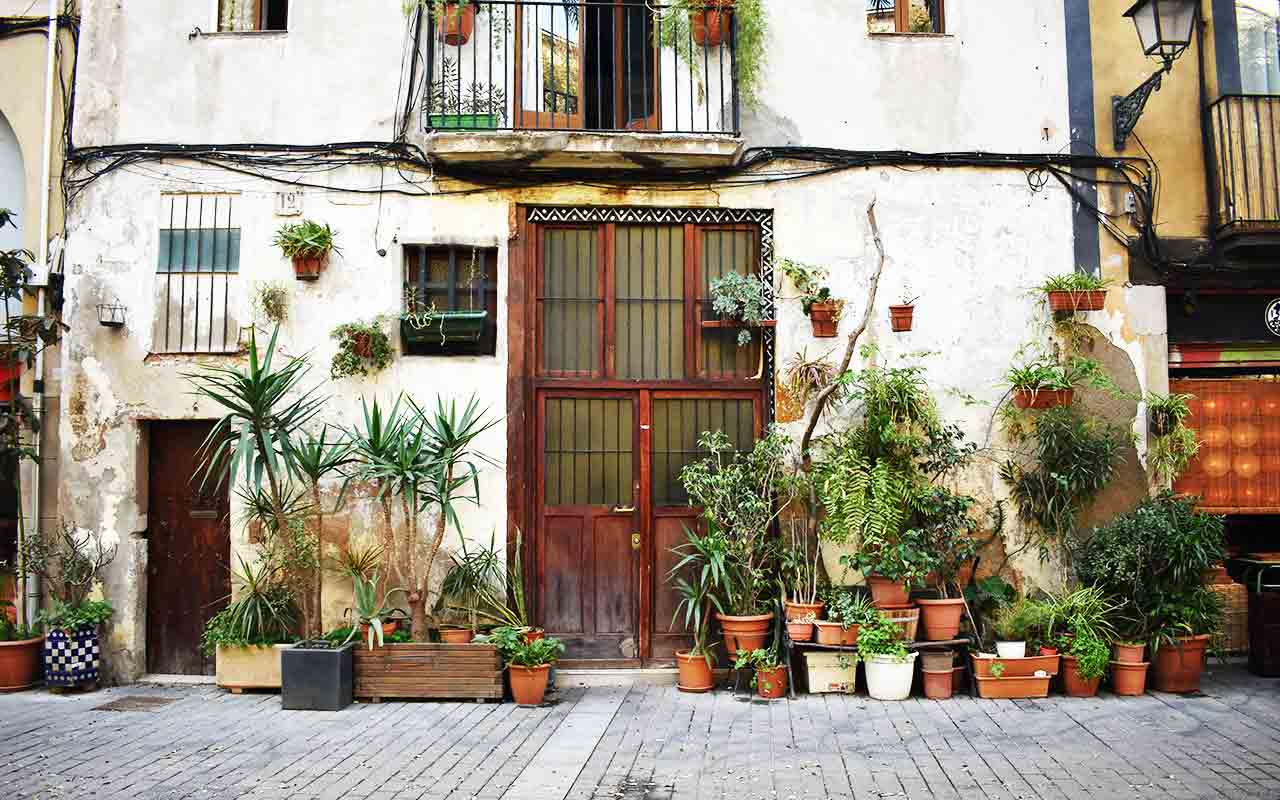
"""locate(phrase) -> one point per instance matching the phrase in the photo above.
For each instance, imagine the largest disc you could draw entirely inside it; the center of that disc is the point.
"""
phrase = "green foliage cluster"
(363, 348)
(1042, 373)
(809, 280)
(1092, 655)
(11, 631)
(751, 26)
(1153, 560)
(263, 611)
(1073, 282)
(1172, 444)
(849, 607)
(65, 617)
(306, 239)
(744, 298)
(535, 653)
(881, 637)
(271, 302)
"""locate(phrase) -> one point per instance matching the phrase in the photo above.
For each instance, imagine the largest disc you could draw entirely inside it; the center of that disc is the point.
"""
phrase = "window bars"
(199, 255)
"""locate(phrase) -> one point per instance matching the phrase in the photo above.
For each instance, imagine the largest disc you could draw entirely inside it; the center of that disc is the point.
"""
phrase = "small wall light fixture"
(1164, 29)
(111, 315)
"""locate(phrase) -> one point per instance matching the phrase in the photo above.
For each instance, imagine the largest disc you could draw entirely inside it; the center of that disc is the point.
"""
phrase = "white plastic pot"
(1011, 649)
(888, 678)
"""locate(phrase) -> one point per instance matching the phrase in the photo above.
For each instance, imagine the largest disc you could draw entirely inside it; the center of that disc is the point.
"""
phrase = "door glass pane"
(638, 79)
(570, 302)
(676, 427)
(551, 61)
(587, 451)
(1258, 29)
(649, 307)
(726, 251)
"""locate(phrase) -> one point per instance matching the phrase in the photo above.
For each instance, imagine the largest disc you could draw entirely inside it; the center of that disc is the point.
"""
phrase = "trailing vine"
(363, 348)
(750, 26)
(1172, 444)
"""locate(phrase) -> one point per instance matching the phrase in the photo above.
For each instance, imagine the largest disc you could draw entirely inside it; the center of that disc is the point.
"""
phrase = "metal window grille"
(453, 278)
(197, 262)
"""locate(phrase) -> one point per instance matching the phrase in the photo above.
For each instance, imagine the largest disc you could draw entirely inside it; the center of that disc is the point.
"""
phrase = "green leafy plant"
(881, 637)
(341, 635)
(811, 282)
(1084, 611)
(368, 609)
(262, 611)
(1073, 282)
(803, 377)
(69, 560)
(451, 95)
(271, 302)
(1091, 654)
(64, 617)
(798, 563)
(758, 661)
(749, 51)
(1172, 445)
(536, 653)
(306, 239)
(1044, 374)
(947, 533)
(997, 669)
(741, 495)
(849, 608)
(744, 298)
(476, 585)
(11, 631)
(694, 577)
(357, 561)
(363, 348)
(1153, 560)
(1023, 620)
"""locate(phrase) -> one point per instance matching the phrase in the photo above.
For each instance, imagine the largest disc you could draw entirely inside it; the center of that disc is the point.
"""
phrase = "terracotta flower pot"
(1043, 398)
(1177, 667)
(455, 635)
(800, 631)
(1128, 679)
(901, 318)
(1048, 651)
(20, 664)
(307, 268)
(937, 661)
(836, 633)
(1073, 684)
(710, 25)
(823, 318)
(938, 684)
(533, 635)
(957, 679)
(528, 684)
(771, 683)
(940, 618)
(745, 633)
(362, 344)
(457, 23)
(1078, 301)
(389, 627)
(695, 673)
(886, 592)
(797, 611)
(1127, 653)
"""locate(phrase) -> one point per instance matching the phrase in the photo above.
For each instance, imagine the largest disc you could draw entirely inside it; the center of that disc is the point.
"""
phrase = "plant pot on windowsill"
(443, 327)
(1069, 302)
(901, 318)
(457, 22)
(316, 678)
(710, 24)
(308, 268)
(824, 317)
(734, 324)
(1043, 398)
(463, 122)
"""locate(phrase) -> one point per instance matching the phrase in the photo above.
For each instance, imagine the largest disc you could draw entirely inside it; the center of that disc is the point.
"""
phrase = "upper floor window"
(253, 15)
(197, 266)
(905, 16)
(450, 300)
(1258, 29)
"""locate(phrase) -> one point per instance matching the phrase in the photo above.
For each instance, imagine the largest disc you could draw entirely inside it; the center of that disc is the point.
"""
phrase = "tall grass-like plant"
(695, 576)
(262, 611)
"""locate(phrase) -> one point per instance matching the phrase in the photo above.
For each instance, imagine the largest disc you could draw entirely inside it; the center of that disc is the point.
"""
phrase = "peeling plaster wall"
(971, 242)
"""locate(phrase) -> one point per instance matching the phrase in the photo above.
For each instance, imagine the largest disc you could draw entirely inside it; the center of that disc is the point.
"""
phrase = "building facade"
(549, 164)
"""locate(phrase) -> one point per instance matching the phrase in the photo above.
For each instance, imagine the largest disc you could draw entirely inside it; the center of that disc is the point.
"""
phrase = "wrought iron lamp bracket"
(1127, 110)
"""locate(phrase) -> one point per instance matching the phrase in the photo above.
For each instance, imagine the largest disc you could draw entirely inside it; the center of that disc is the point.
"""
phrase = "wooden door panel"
(668, 532)
(615, 568)
(564, 552)
(188, 550)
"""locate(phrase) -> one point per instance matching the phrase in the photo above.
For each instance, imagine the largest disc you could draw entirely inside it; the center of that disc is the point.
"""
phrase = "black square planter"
(316, 680)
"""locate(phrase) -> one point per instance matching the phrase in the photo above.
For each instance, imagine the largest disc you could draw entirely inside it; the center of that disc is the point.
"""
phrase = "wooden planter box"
(1017, 667)
(428, 672)
(1013, 688)
(240, 668)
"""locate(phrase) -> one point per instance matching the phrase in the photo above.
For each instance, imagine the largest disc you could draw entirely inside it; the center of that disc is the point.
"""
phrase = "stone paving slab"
(646, 743)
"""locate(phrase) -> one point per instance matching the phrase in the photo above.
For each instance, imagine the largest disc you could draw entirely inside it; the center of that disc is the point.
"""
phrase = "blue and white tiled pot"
(72, 658)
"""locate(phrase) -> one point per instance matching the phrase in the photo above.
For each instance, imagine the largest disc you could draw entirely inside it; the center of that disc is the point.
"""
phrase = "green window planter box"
(445, 327)
(463, 121)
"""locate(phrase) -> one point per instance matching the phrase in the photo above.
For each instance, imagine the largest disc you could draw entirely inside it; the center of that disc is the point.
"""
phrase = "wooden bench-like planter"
(428, 672)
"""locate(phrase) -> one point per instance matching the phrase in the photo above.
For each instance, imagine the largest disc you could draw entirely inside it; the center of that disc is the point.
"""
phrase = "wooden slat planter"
(428, 672)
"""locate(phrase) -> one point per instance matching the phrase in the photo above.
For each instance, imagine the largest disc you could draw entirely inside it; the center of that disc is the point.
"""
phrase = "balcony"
(580, 82)
(1245, 130)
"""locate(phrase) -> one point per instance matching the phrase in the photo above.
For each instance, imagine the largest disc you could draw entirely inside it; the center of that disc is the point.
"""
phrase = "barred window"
(253, 15)
(197, 262)
(450, 278)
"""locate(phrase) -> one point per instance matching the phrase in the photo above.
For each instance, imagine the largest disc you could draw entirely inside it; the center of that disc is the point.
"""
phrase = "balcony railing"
(579, 65)
(1245, 133)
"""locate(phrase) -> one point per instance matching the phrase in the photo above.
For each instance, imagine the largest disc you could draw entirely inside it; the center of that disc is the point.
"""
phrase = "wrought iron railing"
(579, 65)
(1245, 130)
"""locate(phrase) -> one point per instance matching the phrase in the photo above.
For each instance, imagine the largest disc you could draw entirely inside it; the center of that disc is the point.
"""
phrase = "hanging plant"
(308, 243)
(1075, 291)
(271, 302)
(741, 301)
(804, 377)
(902, 315)
(363, 348)
(816, 300)
(1172, 444)
(683, 22)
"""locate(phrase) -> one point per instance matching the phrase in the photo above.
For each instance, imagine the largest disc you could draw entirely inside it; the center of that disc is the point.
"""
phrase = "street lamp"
(1164, 29)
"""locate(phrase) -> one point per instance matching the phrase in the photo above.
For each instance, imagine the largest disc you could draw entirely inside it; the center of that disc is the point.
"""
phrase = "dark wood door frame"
(523, 358)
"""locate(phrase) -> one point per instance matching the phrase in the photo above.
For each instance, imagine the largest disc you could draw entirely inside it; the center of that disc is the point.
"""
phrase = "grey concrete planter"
(316, 679)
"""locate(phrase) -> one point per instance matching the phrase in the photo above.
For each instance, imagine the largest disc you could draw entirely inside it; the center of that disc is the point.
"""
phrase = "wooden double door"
(612, 507)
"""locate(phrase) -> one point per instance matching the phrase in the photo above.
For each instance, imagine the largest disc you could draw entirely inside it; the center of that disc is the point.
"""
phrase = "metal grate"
(571, 302)
(649, 323)
(135, 703)
(588, 451)
(199, 255)
(676, 427)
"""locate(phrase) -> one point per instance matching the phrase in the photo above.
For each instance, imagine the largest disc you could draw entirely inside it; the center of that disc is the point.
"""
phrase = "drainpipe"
(32, 582)
(1206, 136)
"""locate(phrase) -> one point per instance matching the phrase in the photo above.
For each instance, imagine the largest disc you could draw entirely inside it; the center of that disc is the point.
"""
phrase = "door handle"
(623, 510)
(635, 541)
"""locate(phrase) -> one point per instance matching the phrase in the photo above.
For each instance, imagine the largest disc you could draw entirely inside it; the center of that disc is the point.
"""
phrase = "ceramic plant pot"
(937, 661)
(901, 318)
(938, 684)
(886, 592)
(771, 683)
(1043, 398)
(1078, 301)
(695, 673)
(1073, 684)
(710, 24)
(1177, 667)
(835, 633)
(1011, 649)
(888, 678)
(528, 684)
(822, 316)
(20, 664)
(307, 268)
(940, 618)
(72, 658)
(745, 633)
(800, 631)
(1129, 679)
(797, 611)
(1127, 653)
(456, 635)
(457, 22)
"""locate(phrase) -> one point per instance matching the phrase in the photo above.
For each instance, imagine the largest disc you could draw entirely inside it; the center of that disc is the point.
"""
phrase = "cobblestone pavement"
(646, 743)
